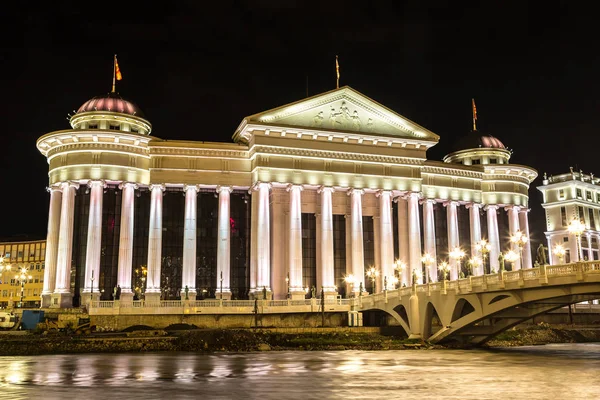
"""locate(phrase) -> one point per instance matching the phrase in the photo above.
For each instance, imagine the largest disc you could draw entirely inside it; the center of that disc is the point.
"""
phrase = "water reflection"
(564, 371)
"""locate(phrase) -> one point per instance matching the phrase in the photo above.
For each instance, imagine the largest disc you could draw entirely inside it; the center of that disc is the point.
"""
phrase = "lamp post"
(444, 268)
(22, 277)
(350, 279)
(559, 251)
(457, 254)
(399, 267)
(221, 297)
(520, 240)
(394, 281)
(474, 262)
(576, 227)
(511, 257)
(427, 259)
(484, 247)
(287, 284)
(372, 273)
(92, 288)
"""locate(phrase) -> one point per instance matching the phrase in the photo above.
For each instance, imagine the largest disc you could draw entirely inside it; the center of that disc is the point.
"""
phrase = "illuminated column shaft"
(190, 223)
(551, 259)
(386, 237)
(295, 239)
(65, 239)
(253, 239)
(475, 229)
(263, 236)
(414, 237)
(494, 239)
(358, 260)
(327, 260)
(524, 223)
(453, 239)
(51, 244)
(429, 237)
(513, 227)
(403, 238)
(94, 239)
(155, 239)
(224, 241)
(126, 237)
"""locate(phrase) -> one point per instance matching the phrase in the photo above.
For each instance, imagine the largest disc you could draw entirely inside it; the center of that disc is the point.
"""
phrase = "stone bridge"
(475, 309)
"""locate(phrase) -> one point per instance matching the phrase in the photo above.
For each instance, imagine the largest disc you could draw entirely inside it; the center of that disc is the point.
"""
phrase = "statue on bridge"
(501, 262)
(541, 255)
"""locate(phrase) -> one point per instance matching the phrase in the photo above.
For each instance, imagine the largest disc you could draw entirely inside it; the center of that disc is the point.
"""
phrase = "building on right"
(571, 202)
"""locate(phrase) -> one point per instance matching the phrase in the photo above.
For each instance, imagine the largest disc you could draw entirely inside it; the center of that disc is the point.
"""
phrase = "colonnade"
(56, 291)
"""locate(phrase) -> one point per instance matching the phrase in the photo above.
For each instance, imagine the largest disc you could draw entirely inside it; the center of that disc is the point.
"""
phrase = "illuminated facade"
(571, 202)
(21, 268)
(307, 194)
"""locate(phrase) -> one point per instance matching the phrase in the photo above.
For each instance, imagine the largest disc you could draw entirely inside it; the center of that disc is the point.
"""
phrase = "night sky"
(196, 71)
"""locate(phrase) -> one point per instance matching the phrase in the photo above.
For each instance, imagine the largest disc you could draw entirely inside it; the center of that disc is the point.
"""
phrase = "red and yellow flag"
(474, 110)
(117, 70)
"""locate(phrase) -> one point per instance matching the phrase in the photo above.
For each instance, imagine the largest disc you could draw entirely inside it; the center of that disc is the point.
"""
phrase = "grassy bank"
(545, 334)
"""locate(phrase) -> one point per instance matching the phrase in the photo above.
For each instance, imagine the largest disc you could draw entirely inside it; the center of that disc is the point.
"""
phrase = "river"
(560, 371)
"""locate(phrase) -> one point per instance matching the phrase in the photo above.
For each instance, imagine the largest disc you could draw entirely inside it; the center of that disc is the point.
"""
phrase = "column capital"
(381, 192)
(491, 207)
(473, 205)
(292, 186)
(125, 184)
(428, 201)
(512, 207)
(96, 182)
(72, 184)
(451, 203)
(160, 186)
(524, 210)
(322, 189)
(187, 187)
(355, 191)
(220, 189)
(414, 195)
(56, 187)
(257, 185)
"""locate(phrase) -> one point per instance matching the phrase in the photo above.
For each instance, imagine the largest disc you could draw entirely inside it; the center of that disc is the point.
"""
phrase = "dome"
(491, 142)
(475, 140)
(111, 102)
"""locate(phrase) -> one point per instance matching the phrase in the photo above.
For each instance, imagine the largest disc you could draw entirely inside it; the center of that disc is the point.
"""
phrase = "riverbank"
(250, 340)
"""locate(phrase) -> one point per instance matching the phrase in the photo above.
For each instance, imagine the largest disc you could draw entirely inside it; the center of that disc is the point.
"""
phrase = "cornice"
(96, 146)
(189, 152)
(451, 172)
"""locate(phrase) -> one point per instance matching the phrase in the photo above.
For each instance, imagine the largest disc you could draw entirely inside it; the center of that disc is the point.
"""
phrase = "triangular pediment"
(346, 110)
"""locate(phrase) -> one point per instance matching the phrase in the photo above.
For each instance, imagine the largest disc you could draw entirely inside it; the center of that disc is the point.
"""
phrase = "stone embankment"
(544, 333)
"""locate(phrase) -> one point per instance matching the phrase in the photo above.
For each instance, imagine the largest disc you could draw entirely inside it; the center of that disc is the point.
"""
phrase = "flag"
(474, 110)
(337, 67)
(117, 70)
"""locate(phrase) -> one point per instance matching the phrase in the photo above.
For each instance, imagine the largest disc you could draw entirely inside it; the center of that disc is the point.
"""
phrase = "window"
(563, 216)
(591, 218)
(476, 162)
(578, 191)
(114, 127)
(598, 197)
(561, 194)
(493, 161)
(580, 213)
(588, 195)
(134, 129)
(92, 126)
(565, 239)
(4, 293)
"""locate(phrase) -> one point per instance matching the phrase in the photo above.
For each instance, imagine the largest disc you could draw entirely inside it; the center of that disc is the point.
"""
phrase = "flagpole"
(474, 115)
(114, 72)
(337, 73)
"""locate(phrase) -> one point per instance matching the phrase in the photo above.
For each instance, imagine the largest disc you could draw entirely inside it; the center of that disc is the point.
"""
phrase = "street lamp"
(576, 227)
(457, 254)
(399, 266)
(559, 251)
(511, 257)
(350, 279)
(474, 262)
(426, 260)
(372, 273)
(22, 277)
(443, 267)
(394, 281)
(520, 240)
(484, 247)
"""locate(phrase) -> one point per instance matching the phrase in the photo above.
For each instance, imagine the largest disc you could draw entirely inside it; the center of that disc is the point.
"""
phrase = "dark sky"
(197, 69)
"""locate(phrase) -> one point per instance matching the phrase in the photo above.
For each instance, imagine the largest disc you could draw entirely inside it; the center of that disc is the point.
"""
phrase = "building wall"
(27, 255)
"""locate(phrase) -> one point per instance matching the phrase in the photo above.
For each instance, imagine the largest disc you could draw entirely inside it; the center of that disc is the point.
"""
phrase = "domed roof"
(475, 140)
(111, 102)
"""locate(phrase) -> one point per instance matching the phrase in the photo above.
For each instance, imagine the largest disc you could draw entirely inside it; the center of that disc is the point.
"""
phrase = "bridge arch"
(462, 308)
(432, 321)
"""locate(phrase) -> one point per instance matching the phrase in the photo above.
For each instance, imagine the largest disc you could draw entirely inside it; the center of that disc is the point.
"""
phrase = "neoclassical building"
(306, 195)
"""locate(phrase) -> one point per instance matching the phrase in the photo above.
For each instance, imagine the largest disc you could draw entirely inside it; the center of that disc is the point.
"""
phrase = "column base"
(150, 298)
(46, 300)
(87, 297)
(126, 298)
(413, 336)
(299, 295)
(62, 300)
(330, 295)
(191, 295)
(225, 295)
(261, 294)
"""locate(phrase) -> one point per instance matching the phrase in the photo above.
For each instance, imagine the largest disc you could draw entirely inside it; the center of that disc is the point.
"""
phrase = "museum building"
(307, 195)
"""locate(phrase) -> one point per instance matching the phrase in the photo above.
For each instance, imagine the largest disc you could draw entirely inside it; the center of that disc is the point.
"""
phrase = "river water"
(562, 371)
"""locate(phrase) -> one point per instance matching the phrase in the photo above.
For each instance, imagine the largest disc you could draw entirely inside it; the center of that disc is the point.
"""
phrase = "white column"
(414, 237)
(475, 229)
(263, 237)
(224, 243)
(188, 273)
(513, 227)
(386, 237)
(403, 239)
(153, 291)
(551, 260)
(295, 241)
(429, 237)
(358, 258)
(493, 238)
(279, 262)
(94, 237)
(62, 296)
(524, 223)
(51, 244)
(327, 263)
(126, 239)
(253, 238)
(453, 238)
